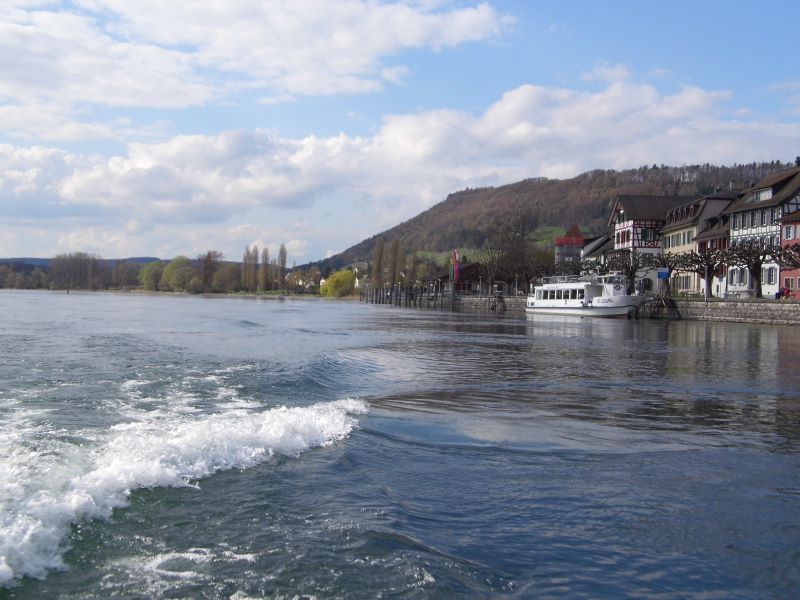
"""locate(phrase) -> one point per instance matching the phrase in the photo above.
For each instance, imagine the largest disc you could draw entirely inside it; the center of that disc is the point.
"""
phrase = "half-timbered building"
(636, 222)
(682, 226)
(756, 216)
(715, 235)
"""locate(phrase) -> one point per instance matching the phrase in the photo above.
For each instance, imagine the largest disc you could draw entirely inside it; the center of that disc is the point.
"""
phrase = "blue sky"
(151, 128)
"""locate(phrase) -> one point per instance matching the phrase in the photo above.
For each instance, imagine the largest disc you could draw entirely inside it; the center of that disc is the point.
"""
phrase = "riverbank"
(764, 311)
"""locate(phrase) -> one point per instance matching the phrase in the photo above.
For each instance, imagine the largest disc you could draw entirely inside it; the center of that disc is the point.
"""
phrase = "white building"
(756, 216)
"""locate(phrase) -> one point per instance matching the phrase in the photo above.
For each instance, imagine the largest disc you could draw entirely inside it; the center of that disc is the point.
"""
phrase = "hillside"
(26, 265)
(464, 218)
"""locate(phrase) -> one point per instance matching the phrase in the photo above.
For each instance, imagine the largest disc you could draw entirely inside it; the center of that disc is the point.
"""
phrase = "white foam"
(169, 449)
(133, 383)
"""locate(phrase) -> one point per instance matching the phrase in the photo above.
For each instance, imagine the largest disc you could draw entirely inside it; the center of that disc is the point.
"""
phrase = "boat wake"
(46, 490)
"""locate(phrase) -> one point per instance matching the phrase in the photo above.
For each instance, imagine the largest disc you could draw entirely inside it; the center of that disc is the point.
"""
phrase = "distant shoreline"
(248, 295)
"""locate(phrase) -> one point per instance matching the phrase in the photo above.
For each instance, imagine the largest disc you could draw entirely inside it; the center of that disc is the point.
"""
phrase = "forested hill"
(463, 218)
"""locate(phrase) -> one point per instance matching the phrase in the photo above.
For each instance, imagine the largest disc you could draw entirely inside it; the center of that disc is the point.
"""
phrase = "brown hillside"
(463, 218)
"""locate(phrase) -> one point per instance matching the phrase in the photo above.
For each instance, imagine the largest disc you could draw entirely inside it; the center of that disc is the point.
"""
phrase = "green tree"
(176, 275)
(39, 279)
(227, 278)
(150, 275)
(341, 283)
(126, 274)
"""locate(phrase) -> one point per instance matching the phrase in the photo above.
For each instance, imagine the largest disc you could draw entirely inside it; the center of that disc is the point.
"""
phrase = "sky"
(153, 128)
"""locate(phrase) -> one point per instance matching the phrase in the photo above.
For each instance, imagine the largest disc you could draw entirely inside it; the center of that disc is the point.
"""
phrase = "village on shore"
(729, 245)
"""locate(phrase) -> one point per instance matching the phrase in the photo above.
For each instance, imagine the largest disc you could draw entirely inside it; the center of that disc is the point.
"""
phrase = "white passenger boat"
(599, 296)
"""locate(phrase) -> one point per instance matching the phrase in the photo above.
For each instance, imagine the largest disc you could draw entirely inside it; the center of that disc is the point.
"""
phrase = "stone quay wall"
(773, 312)
(491, 304)
(768, 312)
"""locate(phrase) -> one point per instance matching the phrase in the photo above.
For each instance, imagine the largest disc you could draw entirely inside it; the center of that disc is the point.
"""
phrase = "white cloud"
(315, 193)
(606, 72)
(66, 58)
(166, 54)
(394, 74)
(279, 99)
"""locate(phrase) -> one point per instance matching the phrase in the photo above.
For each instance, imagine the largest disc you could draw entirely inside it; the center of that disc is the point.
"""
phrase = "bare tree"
(391, 261)
(705, 263)
(377, 264)
(412, 262)
(751, 255)
(515, 233)
(263, 274)
(632, 264)
(250, 269)
(210, 263)
(667, 260)
(489, 259)
(789, 256)
(281, 266)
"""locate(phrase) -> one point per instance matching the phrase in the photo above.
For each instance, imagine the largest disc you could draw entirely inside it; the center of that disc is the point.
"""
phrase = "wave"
(169, 451)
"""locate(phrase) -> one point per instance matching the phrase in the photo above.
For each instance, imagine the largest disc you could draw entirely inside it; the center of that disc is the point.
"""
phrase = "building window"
(752, 218)
(732, 276)
(763, 217)
(788, 232)
(762, 195)
(735, 223)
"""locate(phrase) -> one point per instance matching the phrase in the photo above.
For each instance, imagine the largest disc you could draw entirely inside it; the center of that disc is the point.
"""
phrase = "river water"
(190, 447)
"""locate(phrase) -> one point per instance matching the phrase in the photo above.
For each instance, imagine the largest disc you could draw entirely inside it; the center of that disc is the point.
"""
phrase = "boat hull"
(628, 310)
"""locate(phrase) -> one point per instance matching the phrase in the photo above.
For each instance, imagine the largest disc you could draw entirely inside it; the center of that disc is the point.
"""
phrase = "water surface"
(178, 446)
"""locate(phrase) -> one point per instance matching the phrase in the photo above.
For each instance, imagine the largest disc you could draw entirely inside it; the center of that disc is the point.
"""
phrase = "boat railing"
(613, 278)
(560, 279)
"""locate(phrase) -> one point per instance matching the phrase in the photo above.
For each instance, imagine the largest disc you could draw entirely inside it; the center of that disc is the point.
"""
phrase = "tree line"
(206, 273)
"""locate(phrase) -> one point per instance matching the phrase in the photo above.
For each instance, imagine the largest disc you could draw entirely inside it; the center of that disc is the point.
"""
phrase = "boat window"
(580, 294)
(538, 294)
(558, 294)
(573, 294)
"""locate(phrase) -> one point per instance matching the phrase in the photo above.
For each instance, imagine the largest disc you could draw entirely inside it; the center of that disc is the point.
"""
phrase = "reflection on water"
(499, 456)
(702, 377)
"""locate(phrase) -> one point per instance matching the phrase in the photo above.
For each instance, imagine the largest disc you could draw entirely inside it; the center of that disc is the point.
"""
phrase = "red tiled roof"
(573, 237)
